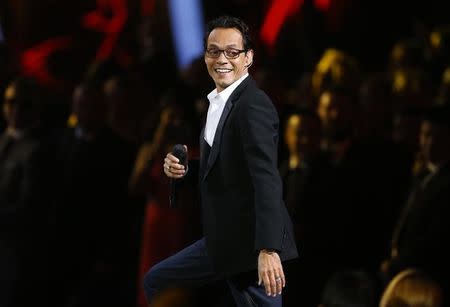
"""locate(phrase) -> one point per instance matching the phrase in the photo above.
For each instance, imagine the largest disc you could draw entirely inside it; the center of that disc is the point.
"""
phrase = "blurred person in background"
(94, 210)
(359, 192)
(422, 228)
(412, 288)
(164, 230)
(302, 136)
(26, 200)
(335, 68)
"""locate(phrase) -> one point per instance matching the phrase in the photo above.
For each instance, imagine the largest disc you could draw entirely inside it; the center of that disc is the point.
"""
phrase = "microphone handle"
(179, 152)
(172, 194)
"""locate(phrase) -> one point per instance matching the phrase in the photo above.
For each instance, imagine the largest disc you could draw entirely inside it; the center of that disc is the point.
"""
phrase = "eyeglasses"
(230, 53)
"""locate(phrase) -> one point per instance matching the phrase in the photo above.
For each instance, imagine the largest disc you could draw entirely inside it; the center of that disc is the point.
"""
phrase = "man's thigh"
(247, 293)
(189, 268)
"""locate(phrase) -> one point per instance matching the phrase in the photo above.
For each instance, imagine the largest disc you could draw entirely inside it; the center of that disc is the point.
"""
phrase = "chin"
(224, 85)
(225, 80)
(227, 84)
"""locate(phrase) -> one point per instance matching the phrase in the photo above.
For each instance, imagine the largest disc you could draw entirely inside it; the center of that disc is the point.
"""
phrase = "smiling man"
(247, 230)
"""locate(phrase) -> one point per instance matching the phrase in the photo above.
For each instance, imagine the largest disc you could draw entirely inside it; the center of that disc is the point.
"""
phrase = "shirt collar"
(226, 93)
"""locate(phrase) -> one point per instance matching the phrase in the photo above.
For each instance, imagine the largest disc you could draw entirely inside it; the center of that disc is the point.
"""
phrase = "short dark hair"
(228, 22)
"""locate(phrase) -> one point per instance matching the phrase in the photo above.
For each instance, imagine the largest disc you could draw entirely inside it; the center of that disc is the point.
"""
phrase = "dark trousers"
(192, 268)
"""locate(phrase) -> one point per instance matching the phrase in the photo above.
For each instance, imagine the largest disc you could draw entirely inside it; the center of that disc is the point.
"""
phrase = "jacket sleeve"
(258, 126)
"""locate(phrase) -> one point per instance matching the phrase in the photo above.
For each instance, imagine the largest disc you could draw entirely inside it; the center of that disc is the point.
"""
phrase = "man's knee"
(152, 283)
(160, 290)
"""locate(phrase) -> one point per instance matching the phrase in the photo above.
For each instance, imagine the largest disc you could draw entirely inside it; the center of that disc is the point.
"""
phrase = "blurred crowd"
(364, 158)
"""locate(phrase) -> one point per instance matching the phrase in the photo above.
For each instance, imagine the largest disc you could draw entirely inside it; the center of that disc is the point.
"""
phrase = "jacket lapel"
(218, 135)
(201, 141)
(203, 152)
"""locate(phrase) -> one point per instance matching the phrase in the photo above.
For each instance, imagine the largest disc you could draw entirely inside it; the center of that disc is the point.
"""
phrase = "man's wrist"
(269, 250)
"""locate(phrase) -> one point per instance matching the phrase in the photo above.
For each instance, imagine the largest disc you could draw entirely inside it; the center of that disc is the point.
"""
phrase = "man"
(95, 166)
(422, 230)
(26, 180)
(247, 230)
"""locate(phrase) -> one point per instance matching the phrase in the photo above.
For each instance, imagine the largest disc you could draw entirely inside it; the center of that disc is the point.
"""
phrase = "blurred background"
(96, 92)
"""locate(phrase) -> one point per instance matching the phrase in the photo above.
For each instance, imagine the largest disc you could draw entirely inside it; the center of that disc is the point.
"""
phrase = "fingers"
(272, 283)
(267, 285)
(172, 168)
(281, 280)
(279, 276)
(277, 282)
(270, 273)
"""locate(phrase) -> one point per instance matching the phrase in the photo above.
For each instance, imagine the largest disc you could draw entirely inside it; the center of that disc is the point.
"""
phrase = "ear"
(248, 58)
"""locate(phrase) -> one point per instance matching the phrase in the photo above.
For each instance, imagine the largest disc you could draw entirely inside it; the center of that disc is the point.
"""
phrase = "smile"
(222, 70)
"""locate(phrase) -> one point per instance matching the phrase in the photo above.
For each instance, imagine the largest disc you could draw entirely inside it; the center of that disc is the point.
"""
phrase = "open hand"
(270, 272)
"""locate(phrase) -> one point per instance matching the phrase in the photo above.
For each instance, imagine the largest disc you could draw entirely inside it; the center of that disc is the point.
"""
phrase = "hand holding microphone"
(175, 165)
(175, 162)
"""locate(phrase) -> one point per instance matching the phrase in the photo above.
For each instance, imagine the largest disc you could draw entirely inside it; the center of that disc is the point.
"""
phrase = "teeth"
(223, 70)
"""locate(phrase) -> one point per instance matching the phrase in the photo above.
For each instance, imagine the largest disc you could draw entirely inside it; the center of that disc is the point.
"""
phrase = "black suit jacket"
(423, 235)
(25, 207)
(240, 186)
(23, 167)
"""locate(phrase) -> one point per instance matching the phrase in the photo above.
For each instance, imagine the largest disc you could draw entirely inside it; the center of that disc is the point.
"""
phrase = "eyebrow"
(234, 46)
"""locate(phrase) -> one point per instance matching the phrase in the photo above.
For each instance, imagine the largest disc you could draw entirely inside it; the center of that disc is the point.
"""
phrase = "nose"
(222, 58)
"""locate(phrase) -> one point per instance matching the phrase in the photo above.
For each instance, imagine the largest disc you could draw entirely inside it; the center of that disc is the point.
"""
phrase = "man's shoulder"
(253, 92)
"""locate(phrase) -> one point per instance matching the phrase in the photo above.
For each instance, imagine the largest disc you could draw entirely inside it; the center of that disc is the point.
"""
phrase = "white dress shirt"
(216, 104)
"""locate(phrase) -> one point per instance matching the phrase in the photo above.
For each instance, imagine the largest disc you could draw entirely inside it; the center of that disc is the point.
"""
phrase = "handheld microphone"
(180, 153)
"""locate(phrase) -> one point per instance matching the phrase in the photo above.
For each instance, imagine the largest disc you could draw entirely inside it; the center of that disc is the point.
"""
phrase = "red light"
(275, 18)
(147, 7)
(112, 26)
(322, 5)
(34, 60)
(277, 14)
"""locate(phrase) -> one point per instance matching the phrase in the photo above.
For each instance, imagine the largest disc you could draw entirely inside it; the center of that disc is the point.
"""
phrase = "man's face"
(336, 116)
(88, 108)
(222, 70)
(17, 114)
(309, 136)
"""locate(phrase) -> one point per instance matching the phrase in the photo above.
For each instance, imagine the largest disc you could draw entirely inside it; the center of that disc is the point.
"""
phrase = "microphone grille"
(179, 152)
